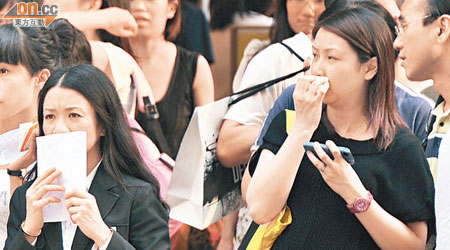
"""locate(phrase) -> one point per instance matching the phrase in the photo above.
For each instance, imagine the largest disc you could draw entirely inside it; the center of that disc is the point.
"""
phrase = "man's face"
(415, 41)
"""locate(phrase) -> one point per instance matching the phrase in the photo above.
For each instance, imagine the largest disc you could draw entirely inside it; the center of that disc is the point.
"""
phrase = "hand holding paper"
(36, 201)
(84, 212)
(67, 153)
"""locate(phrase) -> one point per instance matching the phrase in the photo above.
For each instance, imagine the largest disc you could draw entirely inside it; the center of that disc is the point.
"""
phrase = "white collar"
(91, 175)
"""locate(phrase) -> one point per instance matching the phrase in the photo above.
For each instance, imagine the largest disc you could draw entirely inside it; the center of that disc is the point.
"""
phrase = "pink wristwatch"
(361, 204)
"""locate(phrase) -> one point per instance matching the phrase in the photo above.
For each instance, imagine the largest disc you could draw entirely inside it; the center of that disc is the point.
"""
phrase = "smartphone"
(345, 152)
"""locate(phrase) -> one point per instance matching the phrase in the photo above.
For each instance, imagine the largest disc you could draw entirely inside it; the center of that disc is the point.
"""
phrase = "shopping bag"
(202, 190)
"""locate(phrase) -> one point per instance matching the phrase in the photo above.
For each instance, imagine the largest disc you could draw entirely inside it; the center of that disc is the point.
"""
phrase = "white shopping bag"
(202, 190)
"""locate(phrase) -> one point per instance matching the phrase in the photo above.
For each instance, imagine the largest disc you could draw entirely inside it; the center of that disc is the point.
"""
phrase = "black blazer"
(140, 219)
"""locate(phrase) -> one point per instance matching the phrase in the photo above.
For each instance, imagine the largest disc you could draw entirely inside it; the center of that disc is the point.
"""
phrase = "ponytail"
(40, 48)
(73, 45)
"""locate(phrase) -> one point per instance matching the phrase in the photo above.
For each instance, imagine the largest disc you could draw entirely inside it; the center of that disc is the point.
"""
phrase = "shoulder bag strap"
(145, 98)
(292, 51)
(152, 114)
(257, 88)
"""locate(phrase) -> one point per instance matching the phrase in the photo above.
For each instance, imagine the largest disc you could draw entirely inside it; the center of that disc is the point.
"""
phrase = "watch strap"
(354, 207)
(18, 173)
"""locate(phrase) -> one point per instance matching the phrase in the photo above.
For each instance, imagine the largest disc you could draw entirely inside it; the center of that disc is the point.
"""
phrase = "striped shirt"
(440, 128)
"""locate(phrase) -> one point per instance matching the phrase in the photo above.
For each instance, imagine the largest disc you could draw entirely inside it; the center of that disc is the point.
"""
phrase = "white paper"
(66, 152)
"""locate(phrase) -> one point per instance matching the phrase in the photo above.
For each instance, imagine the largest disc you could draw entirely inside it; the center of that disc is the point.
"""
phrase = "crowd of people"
(85, 72)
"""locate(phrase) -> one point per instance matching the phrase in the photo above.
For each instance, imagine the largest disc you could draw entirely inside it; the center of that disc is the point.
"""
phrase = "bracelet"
(29, 234)
(18, 173)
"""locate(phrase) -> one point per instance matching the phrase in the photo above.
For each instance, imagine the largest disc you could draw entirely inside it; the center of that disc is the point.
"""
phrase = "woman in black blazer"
(122, 209)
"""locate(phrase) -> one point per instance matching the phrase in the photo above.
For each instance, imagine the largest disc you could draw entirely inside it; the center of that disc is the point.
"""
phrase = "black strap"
(152, 114)
(255, 89)
(167, 164)
(433, 117)
(292, 51)
(248, 236)
(431, 121)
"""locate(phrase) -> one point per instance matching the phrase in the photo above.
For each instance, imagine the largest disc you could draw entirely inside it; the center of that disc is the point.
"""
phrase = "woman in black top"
(180, 79)
(386, 198)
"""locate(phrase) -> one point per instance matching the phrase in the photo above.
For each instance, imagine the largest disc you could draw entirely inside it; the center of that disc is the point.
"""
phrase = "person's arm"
(391, 6)
(386, 230)
(100, 59)
(242, 123)
(228, 230)
(117, 21)
(246, 178)
(266, 201)
(148, 224)
(16, 239)
(235, 141)
(203, 83)
(22, 163)
(26, 217)
(389, 232)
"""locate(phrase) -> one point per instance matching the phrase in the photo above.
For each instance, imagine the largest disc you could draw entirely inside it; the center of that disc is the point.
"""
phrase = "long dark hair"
(369, 36)
(119, 152)
(40, 48)
(281, 29)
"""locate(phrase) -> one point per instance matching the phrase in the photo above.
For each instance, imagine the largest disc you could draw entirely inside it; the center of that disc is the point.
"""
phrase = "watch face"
(361, 205)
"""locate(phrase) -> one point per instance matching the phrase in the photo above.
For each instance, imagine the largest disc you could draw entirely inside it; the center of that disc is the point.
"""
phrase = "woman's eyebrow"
(67, 108)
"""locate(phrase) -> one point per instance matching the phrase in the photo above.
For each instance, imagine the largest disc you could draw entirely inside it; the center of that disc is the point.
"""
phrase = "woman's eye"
(331, 58)
(4, 71)
(48, 117)
(74, 115)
